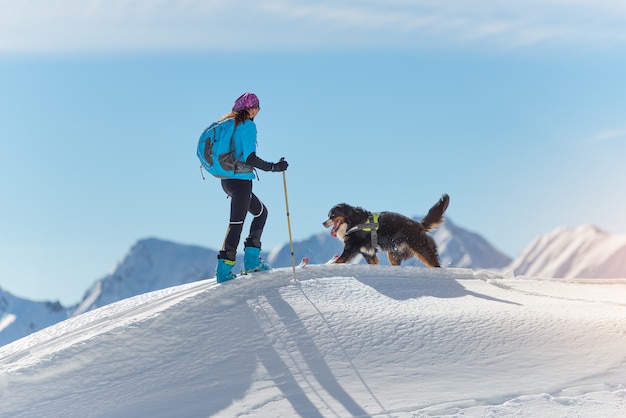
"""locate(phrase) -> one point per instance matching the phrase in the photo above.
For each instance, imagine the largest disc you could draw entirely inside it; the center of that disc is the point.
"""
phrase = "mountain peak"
(150, 264)
(585, 251)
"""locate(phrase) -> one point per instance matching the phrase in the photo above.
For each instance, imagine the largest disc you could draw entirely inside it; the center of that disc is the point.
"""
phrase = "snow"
(90, 299)
(20, 317)
(581, 252)
(346, 340)
(6, 320)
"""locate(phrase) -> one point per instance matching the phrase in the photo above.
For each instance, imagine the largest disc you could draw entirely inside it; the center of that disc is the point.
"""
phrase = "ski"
(303, 262)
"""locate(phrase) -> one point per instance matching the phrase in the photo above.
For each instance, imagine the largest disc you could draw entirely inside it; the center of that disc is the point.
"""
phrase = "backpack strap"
(371, 226)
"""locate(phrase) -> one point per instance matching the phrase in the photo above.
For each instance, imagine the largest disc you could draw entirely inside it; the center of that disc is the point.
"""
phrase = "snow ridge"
(151, 264)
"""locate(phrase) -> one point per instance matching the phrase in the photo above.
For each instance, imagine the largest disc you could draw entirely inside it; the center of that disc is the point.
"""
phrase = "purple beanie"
(246, 101)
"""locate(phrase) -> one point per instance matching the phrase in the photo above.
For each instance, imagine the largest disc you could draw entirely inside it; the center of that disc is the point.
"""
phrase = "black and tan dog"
(401, 237)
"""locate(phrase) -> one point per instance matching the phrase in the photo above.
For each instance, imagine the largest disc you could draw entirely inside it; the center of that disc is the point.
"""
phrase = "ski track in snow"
(343, 341)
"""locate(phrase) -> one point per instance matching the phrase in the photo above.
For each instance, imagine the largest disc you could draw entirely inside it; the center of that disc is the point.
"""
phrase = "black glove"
(280, 166)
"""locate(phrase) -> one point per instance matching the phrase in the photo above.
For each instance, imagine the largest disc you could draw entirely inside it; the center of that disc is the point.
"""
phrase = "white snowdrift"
(345, 341)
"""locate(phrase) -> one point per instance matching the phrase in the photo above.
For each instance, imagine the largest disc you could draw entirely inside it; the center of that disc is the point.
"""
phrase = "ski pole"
(293, 260)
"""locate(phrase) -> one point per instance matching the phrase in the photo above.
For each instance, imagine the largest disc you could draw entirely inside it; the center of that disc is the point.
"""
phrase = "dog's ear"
(334, 212)
(343, 209)
(347, 210)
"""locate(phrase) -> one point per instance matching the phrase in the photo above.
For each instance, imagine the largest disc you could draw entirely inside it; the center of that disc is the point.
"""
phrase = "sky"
(516, 111)
(419, 344)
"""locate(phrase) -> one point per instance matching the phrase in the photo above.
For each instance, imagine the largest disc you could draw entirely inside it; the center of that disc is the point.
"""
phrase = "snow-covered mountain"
(151, 264)
(583, 252)
(346, 341)
(459, 247)
(20, 317)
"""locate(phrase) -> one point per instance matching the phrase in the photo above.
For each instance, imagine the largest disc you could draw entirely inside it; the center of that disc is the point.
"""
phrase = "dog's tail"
(435, 214)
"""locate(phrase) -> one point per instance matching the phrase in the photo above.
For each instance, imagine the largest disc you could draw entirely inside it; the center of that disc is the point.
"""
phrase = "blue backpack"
(216, 150)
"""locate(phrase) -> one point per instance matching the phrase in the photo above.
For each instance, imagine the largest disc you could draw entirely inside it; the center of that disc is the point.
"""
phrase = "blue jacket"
(244, 139)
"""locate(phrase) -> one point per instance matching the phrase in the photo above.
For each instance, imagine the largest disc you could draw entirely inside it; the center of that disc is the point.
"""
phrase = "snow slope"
(346, 340)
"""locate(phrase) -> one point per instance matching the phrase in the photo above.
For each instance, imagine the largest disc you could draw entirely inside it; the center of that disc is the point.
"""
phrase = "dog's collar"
(371, 225)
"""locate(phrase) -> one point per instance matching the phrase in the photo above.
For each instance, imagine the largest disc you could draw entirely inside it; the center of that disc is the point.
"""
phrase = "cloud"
(74, 25)
(610, 135)
(83, 25)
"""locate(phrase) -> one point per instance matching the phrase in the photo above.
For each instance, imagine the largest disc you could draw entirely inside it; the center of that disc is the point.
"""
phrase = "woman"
(239, 188)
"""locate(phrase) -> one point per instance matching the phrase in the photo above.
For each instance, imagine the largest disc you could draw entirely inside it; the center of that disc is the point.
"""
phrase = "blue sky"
(516, 111)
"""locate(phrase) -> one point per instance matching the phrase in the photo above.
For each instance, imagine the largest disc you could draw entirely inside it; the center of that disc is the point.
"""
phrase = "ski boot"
(224, 271)
(252, 260)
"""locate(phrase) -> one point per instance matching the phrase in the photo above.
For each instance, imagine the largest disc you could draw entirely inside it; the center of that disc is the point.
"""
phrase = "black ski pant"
(242, 201)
